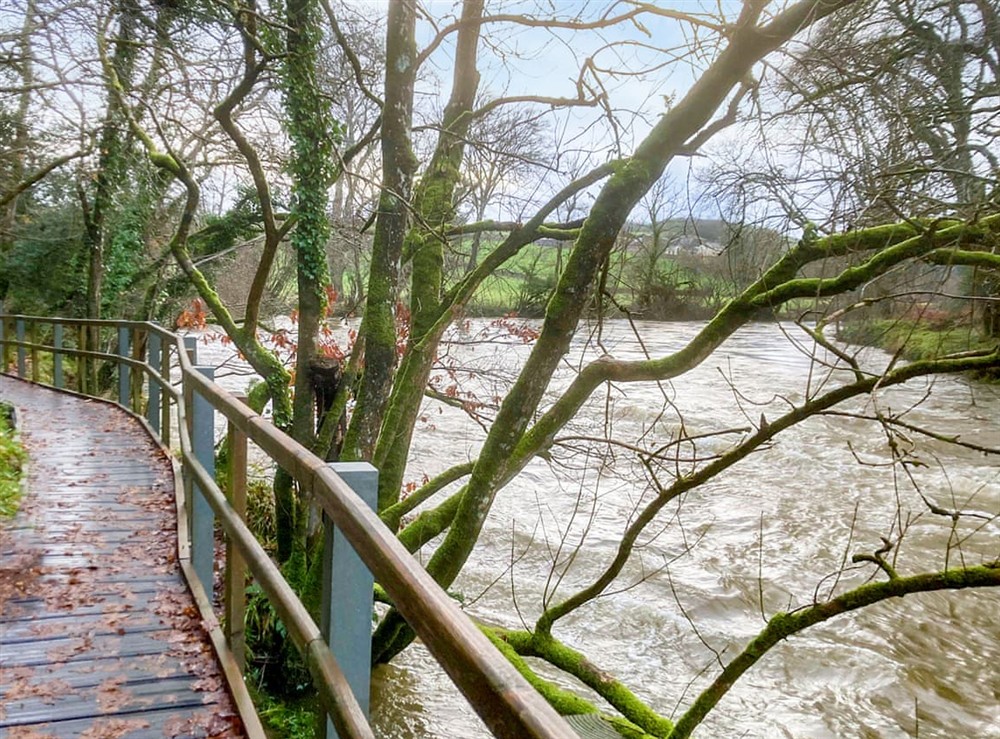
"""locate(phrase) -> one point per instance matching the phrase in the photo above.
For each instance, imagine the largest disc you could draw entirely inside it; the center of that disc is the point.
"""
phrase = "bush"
(12, 458)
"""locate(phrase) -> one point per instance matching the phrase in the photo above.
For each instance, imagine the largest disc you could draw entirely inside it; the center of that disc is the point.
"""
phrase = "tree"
(518, 434)
(503, 146)
(887, 115)
(412, 304)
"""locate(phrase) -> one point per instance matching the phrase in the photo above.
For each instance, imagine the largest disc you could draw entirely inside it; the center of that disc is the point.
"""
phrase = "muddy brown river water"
(765, 536)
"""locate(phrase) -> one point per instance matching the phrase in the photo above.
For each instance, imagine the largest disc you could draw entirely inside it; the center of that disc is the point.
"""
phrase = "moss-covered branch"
(392, 515)
(783, 625)
(261, 359)
(576, 664)
(565, 702)
(953, 235)
(223, 112)
(764, 434)
(500, 458)
(958, 257)
(434, 208)
(430, 524)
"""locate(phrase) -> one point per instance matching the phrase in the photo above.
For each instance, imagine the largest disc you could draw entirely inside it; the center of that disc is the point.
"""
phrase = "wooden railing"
(144, 357)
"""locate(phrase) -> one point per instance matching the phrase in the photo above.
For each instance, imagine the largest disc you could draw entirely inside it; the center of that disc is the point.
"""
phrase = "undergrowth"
(12, 458)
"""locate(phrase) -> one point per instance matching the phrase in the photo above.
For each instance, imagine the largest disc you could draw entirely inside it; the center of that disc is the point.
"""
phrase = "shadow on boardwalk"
(99, 637)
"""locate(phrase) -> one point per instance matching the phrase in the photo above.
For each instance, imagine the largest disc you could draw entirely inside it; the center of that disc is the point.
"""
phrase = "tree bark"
(378, 327)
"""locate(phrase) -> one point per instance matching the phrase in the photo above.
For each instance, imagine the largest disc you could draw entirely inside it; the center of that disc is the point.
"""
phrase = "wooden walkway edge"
(99, 635)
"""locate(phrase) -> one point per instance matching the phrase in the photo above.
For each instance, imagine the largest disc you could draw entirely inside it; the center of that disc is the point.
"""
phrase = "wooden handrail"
(501, 696)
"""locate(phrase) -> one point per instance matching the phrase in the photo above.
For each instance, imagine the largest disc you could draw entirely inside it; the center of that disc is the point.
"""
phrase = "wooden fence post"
(35, 375)
(57, 359)
(81, 362)
(93, 365)
(165, 414)
(139, 340)
(124, 381)
(235, 591)
(202, 517)
(3, 337)
(20, 349)
(348, 594)
(153, 391)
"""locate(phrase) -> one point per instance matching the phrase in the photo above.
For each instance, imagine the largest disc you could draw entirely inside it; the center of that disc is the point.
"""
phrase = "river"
(763, 537)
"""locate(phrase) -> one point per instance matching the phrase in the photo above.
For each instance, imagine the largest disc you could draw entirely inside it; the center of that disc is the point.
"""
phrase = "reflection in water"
(775, 527)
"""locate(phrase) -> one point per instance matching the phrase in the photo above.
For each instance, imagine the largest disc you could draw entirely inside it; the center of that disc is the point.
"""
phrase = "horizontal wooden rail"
(501, 696)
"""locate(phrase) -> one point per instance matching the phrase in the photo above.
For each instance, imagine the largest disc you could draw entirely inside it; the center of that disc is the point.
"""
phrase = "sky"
(641, 67)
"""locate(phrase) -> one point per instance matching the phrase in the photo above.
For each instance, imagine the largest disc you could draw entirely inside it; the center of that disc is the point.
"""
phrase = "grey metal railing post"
(124, 381)
(191, 347)
(202, 518)
(57, 359)
(153, 392)
(20, 350)
(348, 593)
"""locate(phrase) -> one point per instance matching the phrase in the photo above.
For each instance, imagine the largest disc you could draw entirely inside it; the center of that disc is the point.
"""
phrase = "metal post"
(57, 360)
(20, 349)
(153, 392)
(202, 518)
(348, 589)
(191, 347)
(124, 381)
(235, 591)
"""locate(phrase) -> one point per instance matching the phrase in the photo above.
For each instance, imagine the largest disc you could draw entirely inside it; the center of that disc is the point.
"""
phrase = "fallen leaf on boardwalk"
(225, 724)
(47, 692)
(114, 728)
(207, 684)
(26, 732)
(110, 696)
(110, 576)
(180, 726)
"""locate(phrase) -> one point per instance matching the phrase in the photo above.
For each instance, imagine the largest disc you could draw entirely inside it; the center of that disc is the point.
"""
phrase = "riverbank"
(914, 340)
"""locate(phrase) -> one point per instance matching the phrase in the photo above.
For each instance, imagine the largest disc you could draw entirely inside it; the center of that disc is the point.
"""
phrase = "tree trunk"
(378, 327)
(20, 143)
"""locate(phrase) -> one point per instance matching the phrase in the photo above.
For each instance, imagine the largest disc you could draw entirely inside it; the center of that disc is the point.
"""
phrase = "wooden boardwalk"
(99, 637)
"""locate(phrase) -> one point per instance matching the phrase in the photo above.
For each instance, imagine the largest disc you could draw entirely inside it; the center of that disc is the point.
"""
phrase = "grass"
(284, 718)
(915, 340)
(523, 284)
(12, 458)
(911, 339)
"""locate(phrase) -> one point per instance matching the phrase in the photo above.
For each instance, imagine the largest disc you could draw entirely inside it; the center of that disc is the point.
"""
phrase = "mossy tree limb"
(392, 515)
(744, 448)
(783, 625)
(748, 44)
(576, 664)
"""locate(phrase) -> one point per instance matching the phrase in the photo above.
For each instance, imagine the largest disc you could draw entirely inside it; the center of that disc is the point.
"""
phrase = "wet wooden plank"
(153, 723)
(98, 634)
(63, 702)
